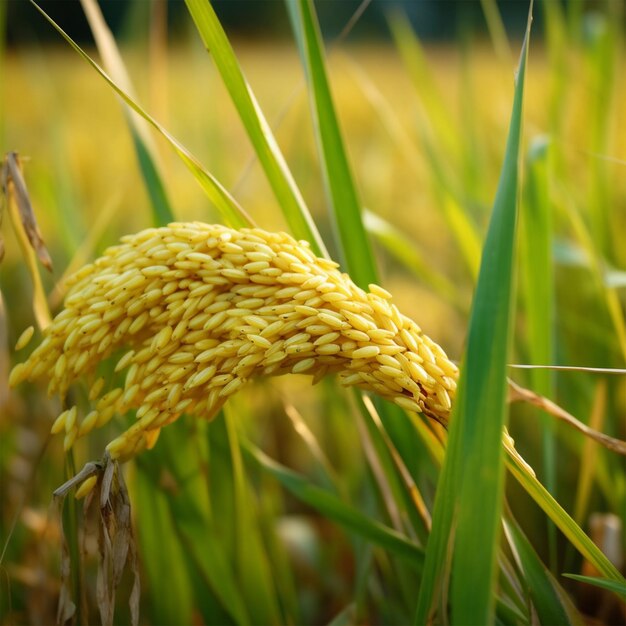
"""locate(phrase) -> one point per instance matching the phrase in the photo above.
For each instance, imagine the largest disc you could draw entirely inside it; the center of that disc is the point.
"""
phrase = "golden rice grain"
(59, 423)
(200, 309)
(86, 487)
(88, 423)
(366, 352)
(25, 338)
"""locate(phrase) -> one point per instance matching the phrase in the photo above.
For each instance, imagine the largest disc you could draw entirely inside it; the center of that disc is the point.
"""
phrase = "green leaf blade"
(334, 508)
(469, 496)
(278, 174)
(232, 213)
(548, 599)
(483, 403)
(338, 179)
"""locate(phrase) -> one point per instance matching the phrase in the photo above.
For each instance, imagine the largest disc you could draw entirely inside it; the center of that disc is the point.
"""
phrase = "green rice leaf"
(161, 209)
(232, 213)
(439, 143)
(253, 566)
(538, 290)
(466, 519)
(171, 600)
(435, 106)
(550, 601)
(144, 147)
(340, 187)
(496, 29)
(587, 548)
(265, 145)
(332, 507)
(173, 470)
(611, 585)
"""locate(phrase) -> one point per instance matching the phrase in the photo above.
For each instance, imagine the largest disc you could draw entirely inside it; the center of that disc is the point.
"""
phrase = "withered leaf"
(13, 185)
(66, 608)
(116, 544)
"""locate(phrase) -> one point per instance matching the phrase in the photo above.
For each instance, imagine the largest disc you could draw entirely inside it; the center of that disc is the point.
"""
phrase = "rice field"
(483, 197)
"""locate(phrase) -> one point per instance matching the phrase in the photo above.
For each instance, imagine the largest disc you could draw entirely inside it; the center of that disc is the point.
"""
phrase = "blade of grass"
(174, 469)
(550, 601)
(539, 289)
(612, 585)
(144, 146)
(448, 189)
(563, 521)
(473, 468)
(338, 179)
(253, 566)
(232, 213)
(435, 107)
(482, 410)
(171, 596)
(333, 508)
(497, 33)
(260, 134)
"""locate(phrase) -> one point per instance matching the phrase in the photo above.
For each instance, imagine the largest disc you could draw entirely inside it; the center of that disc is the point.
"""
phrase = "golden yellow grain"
(25, 338)
(366, 352)
(59, 423)
(69, 439)
(86, 487)
(19, 373)
(202, 308)
(377, 290)
(407, 403)
(260, 341)
(201, 377)
(89, 423)
(96, 388)
(328, 348)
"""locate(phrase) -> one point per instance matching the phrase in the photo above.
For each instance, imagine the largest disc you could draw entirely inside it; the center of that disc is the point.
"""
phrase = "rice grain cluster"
(201, 309)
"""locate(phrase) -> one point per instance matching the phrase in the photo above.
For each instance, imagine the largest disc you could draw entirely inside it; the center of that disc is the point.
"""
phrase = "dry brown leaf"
(518, 393)
(116, 543)
(66, 608)
(14, 187)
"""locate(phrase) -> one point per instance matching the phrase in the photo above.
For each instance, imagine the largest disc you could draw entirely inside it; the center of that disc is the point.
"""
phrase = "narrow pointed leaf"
(260, 134)
(332, 507)
(611, 585)
(232, 213)
(145, 149)
(549, 600)
(466, 518)
(340, 187)
(563, 521)
(482, 410)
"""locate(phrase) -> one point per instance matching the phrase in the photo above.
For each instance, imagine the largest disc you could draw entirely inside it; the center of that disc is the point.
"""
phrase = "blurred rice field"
(414, 155)
(59, 109)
